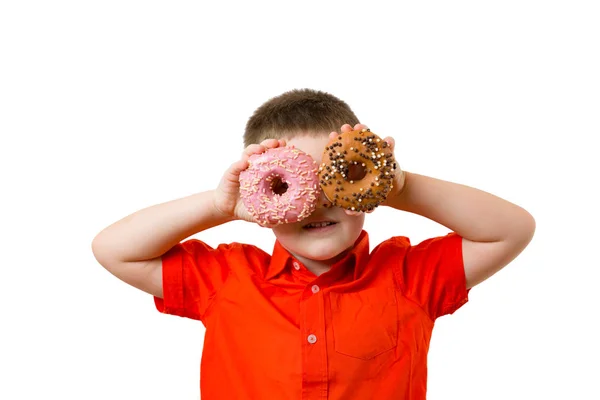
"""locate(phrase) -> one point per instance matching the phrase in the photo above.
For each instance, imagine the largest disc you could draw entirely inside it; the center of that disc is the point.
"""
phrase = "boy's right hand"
(227, 195)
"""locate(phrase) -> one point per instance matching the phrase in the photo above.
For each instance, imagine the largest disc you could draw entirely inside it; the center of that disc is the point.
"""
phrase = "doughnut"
(280, 186)
(357, 170)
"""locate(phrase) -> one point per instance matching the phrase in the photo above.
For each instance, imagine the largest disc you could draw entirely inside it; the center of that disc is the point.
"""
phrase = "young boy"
(321, 317)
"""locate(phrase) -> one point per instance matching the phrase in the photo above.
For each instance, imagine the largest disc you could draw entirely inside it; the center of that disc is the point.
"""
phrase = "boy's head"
(299, 112)
(304, 118)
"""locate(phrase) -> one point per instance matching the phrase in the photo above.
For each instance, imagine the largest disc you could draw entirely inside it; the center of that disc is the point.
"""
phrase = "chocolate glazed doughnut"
(357, 171)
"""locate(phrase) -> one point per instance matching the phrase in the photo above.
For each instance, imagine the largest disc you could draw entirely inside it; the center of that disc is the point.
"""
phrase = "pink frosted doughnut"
(280, 186)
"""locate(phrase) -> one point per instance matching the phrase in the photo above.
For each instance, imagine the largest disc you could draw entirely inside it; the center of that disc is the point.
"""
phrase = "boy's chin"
(325, 254)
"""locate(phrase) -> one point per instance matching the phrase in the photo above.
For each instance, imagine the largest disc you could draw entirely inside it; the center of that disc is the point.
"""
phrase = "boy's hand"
(399, 179)
(227, 195)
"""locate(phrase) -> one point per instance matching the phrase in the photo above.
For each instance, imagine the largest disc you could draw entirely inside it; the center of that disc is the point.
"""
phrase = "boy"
(320, 318)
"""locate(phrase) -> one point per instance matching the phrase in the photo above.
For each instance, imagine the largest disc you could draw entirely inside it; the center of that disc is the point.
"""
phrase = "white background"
(109, 107)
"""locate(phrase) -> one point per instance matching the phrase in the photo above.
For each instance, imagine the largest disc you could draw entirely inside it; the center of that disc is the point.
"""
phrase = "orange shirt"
(274, 330)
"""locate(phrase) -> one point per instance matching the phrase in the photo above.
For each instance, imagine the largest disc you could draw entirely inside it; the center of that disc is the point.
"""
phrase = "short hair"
(298, 111)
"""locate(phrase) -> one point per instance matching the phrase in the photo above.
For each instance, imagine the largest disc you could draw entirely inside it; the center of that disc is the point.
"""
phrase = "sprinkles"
(280, 186)
(363, 175)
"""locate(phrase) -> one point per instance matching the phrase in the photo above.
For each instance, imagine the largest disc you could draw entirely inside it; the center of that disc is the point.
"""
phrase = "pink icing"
(289, 165)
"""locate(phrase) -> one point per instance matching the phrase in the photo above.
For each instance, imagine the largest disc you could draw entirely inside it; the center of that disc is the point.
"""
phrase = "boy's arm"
(131, 249)
(494, 231)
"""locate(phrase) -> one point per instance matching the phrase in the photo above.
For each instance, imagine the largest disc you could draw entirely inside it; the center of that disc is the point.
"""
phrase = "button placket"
(314, 358)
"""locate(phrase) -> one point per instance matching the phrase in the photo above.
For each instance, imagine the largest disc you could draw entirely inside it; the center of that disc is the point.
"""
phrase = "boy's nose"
(322, 200)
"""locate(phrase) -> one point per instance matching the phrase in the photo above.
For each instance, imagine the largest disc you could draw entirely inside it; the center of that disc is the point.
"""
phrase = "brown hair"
(298, 111)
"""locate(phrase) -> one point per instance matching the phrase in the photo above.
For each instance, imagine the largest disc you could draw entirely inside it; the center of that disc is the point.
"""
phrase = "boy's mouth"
(318, 224)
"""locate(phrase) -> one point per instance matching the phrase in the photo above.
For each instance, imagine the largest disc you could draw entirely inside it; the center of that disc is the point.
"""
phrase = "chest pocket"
(365, 323)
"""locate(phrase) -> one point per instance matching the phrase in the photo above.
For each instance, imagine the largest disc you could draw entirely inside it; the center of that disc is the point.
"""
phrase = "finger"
(253, 149)
(332, 135)
(346, 128)
(233, 172)
(270, 143)
(360, 127)
(282, 143)
(391, 142)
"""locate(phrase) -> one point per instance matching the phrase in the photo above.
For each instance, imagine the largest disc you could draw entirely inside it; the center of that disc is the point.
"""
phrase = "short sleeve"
(193, 273)
(432, 274)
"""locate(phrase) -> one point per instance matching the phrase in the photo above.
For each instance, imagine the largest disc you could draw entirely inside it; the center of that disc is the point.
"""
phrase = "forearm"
(472, 213)
(151, 232)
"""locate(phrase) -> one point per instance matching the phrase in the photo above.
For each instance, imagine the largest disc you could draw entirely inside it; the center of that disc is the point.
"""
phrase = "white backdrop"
(109, 107)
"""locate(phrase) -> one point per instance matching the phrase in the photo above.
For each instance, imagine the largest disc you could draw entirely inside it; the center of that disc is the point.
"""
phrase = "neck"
(319, 267)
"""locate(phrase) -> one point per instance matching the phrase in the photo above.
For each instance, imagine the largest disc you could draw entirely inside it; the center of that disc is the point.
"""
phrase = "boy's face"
(304, 240)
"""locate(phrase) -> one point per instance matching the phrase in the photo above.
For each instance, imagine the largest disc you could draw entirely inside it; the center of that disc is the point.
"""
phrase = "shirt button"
(312, 339)
(296, 266)
(315, 289)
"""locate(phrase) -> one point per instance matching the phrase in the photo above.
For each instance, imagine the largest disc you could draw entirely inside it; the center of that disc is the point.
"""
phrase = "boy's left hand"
(399, 178)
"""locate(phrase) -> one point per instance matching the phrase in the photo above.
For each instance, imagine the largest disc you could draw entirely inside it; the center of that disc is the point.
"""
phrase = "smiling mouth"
(322, 224)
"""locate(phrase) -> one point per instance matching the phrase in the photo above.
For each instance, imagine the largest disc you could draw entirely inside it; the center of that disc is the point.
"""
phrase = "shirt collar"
(356, 258)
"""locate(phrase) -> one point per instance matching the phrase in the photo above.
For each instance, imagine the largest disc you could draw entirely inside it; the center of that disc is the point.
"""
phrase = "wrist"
(401, 179)
(400, 184)
(220, 210)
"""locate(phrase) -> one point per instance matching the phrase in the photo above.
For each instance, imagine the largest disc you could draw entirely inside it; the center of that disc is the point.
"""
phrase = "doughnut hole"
(356, 172)
(278, 186)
